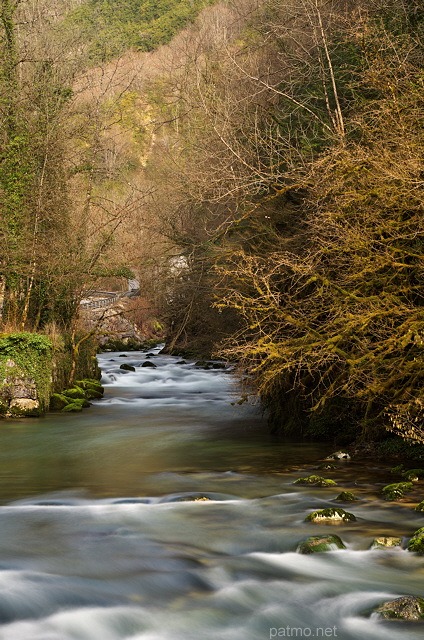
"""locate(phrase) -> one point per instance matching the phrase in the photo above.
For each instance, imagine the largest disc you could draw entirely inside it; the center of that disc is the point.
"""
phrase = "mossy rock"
(339, 455)
(396, 490)
(346, 496)
(76, 393)
(386, 542)
(148, 364)
(316, 481)
(92, 388)
(332, 515)
(194, 498)
(58, 401)
(404, 608)
(90, 384)
(416, 543)
(76, 405)
(319, 544)
(419, 507)
(328, 466)
(413, 475)
(218, 365)
(127, 367)
(24, 407)
(398, 469)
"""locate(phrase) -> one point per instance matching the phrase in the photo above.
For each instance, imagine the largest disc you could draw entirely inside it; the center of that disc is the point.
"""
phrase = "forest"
(256, 163)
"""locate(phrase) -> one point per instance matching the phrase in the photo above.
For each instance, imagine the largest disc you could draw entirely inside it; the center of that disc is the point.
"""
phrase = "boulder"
(76, 393)
(330, 516)
(413, 475)
(76, 405)
(346, 496)
(404, 608)
(316, 481)
(419, 507)
(327, 466)
(24, 407)
(148, 364)
(386, 542)
(127, 367)
(318, 544)
(73, 406)
(90, 385)
(58, 401)
(396, 490)
(416, 543)
(338, 455)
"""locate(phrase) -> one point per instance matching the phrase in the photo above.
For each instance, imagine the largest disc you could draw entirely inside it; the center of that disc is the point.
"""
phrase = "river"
(99, 542)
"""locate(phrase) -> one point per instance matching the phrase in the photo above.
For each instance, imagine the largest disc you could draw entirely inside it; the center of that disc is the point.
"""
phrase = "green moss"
(398, 469)
(396, 490)
(27, 355)
(319, 544)
(346, 496)
(413, 474)
(419, 507)
(58, 401)
(316, 481)
(74, 393)
(416, 543)
(76, 405)
(73, 406)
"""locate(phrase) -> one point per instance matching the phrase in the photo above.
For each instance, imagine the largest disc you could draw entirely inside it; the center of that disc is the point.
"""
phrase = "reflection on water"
(96, 543)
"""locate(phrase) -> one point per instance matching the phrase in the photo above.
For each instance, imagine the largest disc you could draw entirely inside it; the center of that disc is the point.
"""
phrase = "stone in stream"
(316, 481)
(338, 455)
(92, 388)
(58, 401)
(419, 507)
(127, 367)
(396, 490)
(346, 496)
(386, 542)
(404, 608)
(413, 475)
(193, 498)
(330, 516)
(76, 393)
(416, 543)
(318, 544)
(327, 466)
(122, 355)
(148, 364)
(181, 362)
(76, 405)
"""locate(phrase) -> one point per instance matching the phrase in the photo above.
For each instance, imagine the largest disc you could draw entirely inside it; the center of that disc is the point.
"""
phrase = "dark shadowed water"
(96, 544)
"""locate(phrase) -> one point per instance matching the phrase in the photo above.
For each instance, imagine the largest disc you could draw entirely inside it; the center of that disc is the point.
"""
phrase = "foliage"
(111, 28)
(333, 309)
(27, 355)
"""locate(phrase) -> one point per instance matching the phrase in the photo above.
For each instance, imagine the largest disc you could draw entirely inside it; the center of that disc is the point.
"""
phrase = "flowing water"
(99, 542)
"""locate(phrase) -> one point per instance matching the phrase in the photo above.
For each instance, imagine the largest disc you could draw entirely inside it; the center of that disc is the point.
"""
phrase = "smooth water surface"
(98, 541)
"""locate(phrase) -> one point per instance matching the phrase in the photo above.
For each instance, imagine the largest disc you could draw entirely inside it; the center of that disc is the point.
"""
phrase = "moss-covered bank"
(34, 366)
